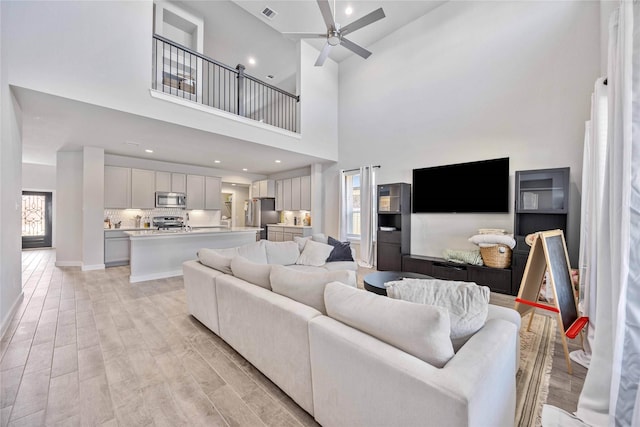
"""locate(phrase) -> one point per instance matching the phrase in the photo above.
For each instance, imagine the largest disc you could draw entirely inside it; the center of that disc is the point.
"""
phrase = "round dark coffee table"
(374, 282)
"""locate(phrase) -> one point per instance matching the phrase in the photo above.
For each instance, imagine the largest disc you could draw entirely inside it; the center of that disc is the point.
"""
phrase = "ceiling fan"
(335, 34)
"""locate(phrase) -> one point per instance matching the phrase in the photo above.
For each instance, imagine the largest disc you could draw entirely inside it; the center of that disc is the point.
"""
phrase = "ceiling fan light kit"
(335, 34)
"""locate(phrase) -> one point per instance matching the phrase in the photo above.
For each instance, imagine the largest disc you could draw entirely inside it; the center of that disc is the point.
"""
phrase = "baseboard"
(163, 275)
(9, 316)
(68, 263)
(92, 267)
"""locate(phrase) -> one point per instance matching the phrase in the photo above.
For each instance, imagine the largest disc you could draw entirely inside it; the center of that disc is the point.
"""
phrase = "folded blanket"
(493, 239)
(460, 256)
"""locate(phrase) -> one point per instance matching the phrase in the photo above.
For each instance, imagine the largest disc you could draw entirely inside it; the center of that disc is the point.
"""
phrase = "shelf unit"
(541, 203)
(394, 210)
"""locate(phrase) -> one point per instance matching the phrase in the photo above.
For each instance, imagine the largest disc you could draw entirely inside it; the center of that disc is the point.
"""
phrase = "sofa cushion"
(418, 329)
(306, 287)
(218, 259)
(254, 252)
(341, 265)
(314, 253)
(282, 253)
(341, 250)
(466, 302)
(301, 241)
(252, 272)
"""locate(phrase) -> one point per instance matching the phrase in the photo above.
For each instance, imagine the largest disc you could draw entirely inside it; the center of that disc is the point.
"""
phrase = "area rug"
(536, 359)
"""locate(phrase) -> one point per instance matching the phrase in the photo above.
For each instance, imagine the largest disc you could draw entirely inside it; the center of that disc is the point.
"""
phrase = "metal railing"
(180, 71)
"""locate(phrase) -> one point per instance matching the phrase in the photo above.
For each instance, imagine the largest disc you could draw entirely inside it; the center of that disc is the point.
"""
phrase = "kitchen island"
(156, 254)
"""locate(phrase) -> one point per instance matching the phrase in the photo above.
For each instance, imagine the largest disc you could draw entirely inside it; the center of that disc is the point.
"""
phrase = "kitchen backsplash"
(287, 217)
(197, 218)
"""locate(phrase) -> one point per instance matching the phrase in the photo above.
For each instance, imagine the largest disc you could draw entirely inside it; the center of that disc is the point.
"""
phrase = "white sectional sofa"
(347, 368)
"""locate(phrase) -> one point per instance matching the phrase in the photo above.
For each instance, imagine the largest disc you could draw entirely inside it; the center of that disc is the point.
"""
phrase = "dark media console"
(497, 279)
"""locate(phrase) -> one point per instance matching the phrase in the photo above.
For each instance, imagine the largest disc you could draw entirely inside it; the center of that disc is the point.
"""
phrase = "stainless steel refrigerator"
(259, 213)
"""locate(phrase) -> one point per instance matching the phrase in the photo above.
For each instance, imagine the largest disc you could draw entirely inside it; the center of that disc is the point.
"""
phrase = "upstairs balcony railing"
(183, 72)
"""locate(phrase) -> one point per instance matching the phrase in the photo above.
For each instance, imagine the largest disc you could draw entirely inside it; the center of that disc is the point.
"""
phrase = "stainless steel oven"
(170, 200)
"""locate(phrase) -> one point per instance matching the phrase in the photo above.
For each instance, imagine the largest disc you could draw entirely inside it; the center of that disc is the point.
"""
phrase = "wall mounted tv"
(475, 187)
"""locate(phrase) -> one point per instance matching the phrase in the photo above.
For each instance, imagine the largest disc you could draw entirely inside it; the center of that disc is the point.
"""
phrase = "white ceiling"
(52, 123)
(296, 16)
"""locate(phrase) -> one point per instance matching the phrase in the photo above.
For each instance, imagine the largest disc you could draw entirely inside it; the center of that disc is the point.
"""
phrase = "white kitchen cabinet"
(178, 182)
(305, 193)
(195, 192)
(279, 195)
(163, 181)
(263, 188)
(286, 191)
(117, 187)
(280, 233)
(295, 194)
(116, 248)
(212, 198)
(143, 187)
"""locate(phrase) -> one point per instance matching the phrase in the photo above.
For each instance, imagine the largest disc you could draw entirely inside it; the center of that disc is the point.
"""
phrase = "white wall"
(86, 60)
(69, 227)
(471, 81)
(37, 177)
(92, 208)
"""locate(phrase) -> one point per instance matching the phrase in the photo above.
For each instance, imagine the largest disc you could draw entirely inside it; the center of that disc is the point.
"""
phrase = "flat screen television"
(475, 187)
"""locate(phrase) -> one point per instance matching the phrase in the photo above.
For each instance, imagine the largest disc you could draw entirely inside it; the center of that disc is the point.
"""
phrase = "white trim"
(221, 113)
(68, 263)
(7, 319)
(91, 267)
(154, 276)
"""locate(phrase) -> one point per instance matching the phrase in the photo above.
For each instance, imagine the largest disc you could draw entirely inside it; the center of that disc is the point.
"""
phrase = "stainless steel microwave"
(170, 200)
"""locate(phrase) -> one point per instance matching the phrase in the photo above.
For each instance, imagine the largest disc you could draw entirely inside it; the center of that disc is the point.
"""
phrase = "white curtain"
(610, 392)
(367, 215)
(593, 168)
(342, 206)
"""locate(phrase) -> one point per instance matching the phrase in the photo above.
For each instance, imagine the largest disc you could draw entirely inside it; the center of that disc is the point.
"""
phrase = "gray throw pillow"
(341, 250)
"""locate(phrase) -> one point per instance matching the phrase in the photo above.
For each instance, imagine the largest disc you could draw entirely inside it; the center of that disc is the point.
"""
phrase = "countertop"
(146, 233)
(288, 225)
(154, 229)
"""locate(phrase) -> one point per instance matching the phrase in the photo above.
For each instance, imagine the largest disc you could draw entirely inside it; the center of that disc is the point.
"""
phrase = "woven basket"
(498, 256)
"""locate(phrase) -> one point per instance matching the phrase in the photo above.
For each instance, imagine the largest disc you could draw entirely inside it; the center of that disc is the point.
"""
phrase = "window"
(352, 185)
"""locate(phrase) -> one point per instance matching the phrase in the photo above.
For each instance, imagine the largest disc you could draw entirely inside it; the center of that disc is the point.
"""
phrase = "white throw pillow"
(254, 252)
(418, 329)
(314, 253)
(252, 272)
(305, 287)
(301, 241)
(467, 303)
(282, 253)
(319, 237)
(219, 259)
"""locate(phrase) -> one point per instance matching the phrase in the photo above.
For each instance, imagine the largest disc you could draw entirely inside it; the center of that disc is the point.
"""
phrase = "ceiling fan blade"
(323, 55)
(325, 9)
(374, 16)
(304, 36)
(355, 48)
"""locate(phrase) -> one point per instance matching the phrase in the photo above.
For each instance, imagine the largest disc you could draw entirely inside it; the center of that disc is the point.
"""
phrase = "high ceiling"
(234, 31)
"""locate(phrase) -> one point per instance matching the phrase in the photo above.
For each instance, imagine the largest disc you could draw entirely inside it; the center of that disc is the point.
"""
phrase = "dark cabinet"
(394, 225)
(541, 203)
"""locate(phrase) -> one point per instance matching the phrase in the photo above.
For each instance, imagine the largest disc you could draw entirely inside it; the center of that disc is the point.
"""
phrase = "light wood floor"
(88, 348)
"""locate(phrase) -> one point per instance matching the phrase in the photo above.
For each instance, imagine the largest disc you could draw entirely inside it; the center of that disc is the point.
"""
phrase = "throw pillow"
(341, 251)
(420, 330)
(466, 302)
(319, 237)
(218, 259)
(305, 287)
(301, 241)
(282, 253)
(252, 272)
(314, 253)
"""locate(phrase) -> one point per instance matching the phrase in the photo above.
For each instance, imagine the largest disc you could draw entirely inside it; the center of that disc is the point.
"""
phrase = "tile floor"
(89, 348)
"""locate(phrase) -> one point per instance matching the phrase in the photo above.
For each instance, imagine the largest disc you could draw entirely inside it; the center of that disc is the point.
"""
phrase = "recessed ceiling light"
(148, 151)
(216, 161)
(277, 161)
(252, 61)
(245, 169)
(348, 11)
(135, 144)
(233, 184)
